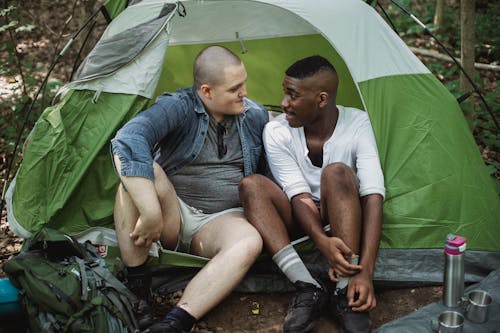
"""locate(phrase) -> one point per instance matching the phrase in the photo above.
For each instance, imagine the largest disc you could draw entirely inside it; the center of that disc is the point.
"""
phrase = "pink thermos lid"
(455, 244)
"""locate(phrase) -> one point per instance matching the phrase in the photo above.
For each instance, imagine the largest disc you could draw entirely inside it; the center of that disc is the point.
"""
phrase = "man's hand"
(146, 231)
(360, 292)
(335, 252)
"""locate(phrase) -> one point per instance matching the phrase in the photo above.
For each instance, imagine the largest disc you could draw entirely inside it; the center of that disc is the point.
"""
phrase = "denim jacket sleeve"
(134, 142)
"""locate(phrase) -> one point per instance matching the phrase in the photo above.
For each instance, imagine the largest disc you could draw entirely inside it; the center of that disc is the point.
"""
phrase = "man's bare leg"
(269, 210)
(126, 216)
(341, 206)
(233, 245)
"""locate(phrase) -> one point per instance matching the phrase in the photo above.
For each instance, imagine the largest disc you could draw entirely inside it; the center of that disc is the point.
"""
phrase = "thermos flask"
(454, 252)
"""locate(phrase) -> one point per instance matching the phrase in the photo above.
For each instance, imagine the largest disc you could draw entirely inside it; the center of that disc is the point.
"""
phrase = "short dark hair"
(309, 66)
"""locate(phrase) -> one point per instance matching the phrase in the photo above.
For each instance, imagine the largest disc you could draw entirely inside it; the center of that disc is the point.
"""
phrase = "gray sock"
(292, 266)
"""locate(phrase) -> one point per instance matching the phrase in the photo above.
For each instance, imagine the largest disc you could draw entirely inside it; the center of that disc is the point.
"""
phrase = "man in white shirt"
(325, 162)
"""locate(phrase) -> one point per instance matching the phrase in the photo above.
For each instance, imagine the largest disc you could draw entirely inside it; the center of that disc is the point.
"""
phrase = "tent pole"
(476, 89)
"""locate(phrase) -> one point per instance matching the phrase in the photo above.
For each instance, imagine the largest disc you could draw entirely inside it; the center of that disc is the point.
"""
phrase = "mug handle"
(465, 304)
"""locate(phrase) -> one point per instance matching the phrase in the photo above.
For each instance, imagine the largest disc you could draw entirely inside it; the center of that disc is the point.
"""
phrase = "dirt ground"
(243, 312)
(260, 312)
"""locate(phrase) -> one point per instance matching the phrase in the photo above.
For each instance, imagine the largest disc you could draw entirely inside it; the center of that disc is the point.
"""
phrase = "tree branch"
(444, 57)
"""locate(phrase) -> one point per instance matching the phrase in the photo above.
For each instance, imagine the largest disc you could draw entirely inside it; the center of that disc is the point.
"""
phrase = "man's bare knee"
(340, 176)
(250, 247)
(252, 187)
(250, 183)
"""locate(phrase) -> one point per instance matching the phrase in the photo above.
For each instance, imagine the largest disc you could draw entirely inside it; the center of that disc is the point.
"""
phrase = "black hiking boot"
(350, 321)
(143, 310)
(306, 308)
(166, 326)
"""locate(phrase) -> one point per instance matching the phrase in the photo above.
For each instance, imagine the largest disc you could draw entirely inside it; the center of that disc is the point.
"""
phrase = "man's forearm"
(142, 192)
(372, 230)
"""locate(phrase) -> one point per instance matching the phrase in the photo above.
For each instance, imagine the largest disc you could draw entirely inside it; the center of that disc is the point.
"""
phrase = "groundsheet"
(420, 320)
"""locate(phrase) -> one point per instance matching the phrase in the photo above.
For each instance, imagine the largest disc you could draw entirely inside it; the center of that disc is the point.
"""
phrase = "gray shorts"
(192, 219)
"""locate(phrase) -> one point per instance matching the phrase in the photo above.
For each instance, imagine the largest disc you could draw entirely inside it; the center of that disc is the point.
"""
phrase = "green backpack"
(66, 286)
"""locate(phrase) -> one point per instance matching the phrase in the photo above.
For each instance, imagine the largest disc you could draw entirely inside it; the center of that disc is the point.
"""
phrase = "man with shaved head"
(324, 159)
(180, 162)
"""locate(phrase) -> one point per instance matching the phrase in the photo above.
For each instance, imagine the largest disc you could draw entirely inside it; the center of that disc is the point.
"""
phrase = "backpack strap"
(49, 322)
(124, 307)
(84, 279)
(114, 283)
(126, 297)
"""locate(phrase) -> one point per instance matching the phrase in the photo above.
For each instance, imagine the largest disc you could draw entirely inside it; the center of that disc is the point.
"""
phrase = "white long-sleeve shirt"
(351, 143)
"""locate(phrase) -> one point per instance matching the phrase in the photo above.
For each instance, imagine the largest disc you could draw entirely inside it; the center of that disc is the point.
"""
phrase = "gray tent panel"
(114, 52)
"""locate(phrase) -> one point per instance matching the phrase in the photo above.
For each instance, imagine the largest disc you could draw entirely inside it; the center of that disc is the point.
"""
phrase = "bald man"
(180, 162)
(324, 159)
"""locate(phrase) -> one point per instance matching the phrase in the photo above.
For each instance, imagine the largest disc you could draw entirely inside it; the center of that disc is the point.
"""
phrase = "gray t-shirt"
(210, 183)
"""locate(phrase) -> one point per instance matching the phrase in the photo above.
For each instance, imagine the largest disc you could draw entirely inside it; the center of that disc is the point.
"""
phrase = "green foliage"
(23, 78)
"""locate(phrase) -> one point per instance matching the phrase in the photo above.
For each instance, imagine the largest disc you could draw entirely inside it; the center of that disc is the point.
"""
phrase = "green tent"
(436, 182)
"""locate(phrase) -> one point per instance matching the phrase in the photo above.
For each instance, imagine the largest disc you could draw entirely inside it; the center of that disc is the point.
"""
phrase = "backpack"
(66, 286)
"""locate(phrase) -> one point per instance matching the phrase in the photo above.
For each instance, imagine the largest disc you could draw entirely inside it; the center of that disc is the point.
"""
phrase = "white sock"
(292, 266)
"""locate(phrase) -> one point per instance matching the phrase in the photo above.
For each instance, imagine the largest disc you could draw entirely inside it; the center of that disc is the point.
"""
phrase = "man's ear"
(323, 99)
(206, 90)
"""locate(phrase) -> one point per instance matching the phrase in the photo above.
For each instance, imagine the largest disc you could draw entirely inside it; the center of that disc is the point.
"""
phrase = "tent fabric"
(123, 51)
(116, 51)
(266, 61)
(388, 54)
(393, 266)
(430, 167)
(66, 180)
(115, 7)
(435, 178)
(269, 20)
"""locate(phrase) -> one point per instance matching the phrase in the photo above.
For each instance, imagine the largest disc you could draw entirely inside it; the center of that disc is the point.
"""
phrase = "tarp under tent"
(436, 181)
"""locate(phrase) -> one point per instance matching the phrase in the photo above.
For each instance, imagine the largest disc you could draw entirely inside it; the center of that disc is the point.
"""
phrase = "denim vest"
(173, 130)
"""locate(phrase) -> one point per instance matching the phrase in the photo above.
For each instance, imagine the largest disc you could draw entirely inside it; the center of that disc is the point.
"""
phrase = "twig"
(444, 57)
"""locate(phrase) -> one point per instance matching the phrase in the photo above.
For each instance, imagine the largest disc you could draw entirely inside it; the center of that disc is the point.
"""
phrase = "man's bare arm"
(333, 248)
(361, 294)
(144, 195)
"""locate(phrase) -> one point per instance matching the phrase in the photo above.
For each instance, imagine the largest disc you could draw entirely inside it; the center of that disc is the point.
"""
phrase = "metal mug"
(477, 305)
(450, 322)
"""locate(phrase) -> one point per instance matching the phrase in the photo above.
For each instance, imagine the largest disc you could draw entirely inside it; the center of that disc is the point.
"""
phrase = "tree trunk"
(438, 14)
(467, 54)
